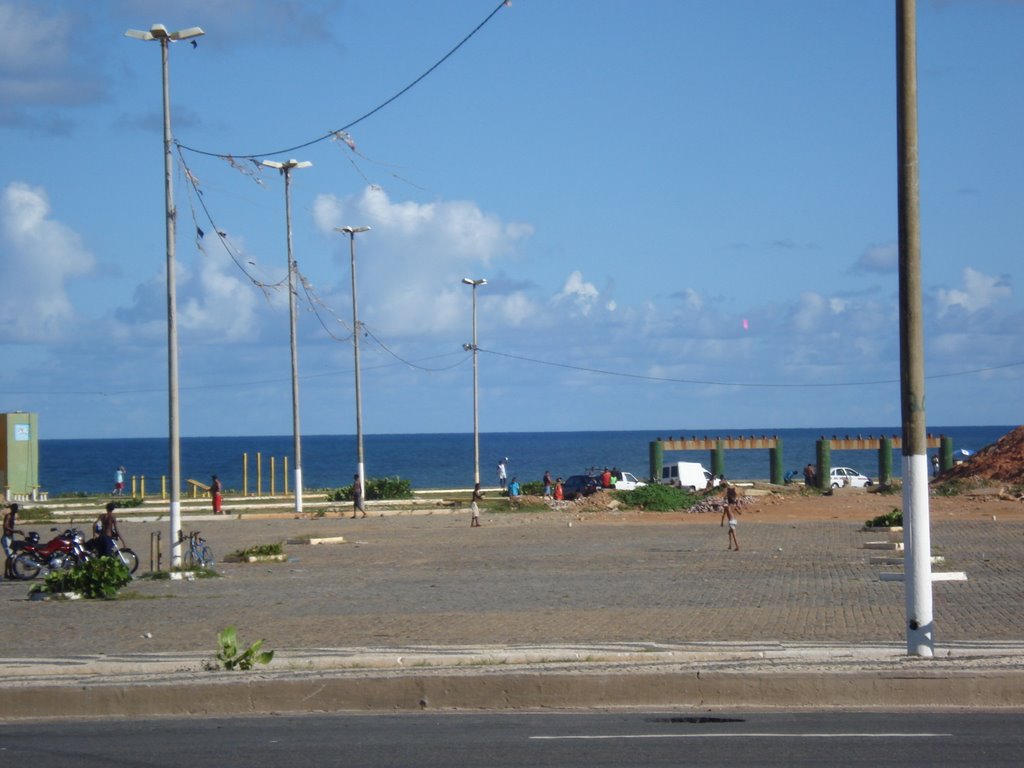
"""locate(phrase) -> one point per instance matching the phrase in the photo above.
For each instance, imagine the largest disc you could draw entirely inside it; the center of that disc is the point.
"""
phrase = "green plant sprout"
(230, 657)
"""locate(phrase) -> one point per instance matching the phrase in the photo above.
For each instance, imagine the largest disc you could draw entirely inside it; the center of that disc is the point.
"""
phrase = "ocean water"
(439, 460)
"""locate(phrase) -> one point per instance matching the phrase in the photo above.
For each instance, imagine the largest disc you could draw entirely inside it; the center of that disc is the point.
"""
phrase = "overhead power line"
(742, 384)
(339, 132)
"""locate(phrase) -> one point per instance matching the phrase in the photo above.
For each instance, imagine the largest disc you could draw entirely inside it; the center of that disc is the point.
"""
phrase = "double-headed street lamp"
(159, 32)
(360, 468)
(476, 410)
(286, 171)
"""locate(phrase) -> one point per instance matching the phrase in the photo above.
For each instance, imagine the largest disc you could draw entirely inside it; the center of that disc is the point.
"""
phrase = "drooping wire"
(192, 185)
(335, 133)
(402, 360)
(747, 385)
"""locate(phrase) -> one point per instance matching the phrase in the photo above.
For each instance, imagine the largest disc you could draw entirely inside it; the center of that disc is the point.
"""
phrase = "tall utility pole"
(917, 532)
(286, 171)
(476, 407)
(159, 32)
(360, 465)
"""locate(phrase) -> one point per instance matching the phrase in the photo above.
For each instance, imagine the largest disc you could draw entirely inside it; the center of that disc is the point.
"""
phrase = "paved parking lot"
(534, 579)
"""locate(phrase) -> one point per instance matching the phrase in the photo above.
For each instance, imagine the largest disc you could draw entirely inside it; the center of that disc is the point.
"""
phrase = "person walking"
(215, 493)
(478, 495)
(358, 505)
(729, 514)
(119, 482)
(559, 493)
(547, 484)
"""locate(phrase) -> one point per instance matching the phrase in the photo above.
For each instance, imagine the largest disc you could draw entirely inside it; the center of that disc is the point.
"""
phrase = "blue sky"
(685, 212)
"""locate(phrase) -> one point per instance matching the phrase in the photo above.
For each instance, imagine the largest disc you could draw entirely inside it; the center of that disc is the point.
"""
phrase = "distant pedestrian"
(559, 492)
(513, 493)
(547, 484)
(502, 472)
(809, 479)
(729, 514)
(215, 494)
(935, 465)
(119, 482)
(10, 523)
(478, 495)
(606, 478)
(358, 505)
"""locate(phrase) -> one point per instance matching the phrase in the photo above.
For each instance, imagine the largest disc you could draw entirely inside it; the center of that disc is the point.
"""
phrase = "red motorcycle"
(66, 550)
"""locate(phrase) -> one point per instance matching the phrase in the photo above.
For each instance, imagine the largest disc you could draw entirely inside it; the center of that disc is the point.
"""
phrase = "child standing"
(478, 495)
(730, 515)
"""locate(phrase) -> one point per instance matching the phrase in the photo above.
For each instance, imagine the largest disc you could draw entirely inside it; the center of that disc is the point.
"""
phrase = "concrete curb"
(630, 675)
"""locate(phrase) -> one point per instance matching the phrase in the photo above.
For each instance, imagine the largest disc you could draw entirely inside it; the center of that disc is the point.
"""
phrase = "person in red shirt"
(218, 498)
(559, 493)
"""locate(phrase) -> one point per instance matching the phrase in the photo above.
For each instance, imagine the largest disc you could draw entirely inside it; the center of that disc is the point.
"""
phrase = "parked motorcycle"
(65, 550)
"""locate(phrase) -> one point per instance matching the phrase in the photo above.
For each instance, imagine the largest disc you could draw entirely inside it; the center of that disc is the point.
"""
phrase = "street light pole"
(360, 468)
(476, 409)
(159, 32)
(286, 171)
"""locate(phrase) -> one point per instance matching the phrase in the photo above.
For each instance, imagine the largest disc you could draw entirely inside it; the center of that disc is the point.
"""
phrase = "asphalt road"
(635, 739)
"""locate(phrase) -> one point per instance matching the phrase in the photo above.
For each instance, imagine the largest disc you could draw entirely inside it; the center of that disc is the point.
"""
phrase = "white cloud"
(579, 292)
(979, 291)
(218, 305)
(38, 257)
(411, 263)
(878, 258)
(808, 313)
(32, 41)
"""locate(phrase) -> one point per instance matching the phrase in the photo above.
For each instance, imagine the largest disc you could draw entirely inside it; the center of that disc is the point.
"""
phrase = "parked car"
(628, 482)
(577, 486)
(844, 476)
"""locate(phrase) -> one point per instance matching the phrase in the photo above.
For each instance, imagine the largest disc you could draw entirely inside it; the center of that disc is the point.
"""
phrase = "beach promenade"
(553, 609)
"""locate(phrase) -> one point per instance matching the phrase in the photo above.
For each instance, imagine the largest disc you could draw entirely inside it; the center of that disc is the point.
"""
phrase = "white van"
(688, 475)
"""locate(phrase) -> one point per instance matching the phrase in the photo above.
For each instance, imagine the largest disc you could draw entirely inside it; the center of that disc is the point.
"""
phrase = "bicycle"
(128, 557)
(199, 553)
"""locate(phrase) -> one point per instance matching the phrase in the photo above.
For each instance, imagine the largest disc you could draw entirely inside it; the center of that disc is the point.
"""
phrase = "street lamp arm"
(159, 32)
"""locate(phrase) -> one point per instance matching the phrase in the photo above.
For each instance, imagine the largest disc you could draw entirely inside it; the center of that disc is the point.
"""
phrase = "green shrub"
(100, 577)
(659, 498)
(127, 502)
(892, 519)
(376, 488)
(258, 550)
(533, 488)
(231, 656)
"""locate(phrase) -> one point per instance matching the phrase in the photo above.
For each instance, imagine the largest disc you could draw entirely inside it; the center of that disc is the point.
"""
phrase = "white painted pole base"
(917, 562)
(298, 490)
(175, 559)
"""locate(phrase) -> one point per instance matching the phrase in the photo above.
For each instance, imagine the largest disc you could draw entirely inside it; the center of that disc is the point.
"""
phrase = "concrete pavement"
(528, 611)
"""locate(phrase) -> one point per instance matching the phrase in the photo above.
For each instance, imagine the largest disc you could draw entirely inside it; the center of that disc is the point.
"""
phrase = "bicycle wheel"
(130, 559)
(206, 556)
(188, 558)
(25, 567)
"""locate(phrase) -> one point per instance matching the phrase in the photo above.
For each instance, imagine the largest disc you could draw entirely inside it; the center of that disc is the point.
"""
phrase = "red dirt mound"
(1003, 461)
